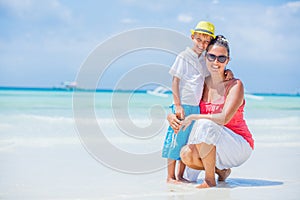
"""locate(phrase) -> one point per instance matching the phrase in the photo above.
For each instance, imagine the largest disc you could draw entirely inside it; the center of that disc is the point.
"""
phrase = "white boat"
(67, 85)
(159, 91)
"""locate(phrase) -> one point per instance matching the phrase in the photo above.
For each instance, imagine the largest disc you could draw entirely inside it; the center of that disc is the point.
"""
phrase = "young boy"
(189, 71)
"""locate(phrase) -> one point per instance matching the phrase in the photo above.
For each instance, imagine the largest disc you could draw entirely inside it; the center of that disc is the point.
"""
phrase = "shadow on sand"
(241, 182)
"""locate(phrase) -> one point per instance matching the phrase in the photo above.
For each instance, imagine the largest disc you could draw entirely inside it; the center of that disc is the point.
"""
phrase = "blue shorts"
(174, 142)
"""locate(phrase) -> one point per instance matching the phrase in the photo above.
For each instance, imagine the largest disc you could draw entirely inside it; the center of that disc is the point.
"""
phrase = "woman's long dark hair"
(220, 40)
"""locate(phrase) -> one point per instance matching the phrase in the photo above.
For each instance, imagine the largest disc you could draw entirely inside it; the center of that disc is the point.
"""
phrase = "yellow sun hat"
(205, 28)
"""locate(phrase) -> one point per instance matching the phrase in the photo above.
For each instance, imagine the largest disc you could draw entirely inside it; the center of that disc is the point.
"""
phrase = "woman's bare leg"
(190, 156)
(207, 153)
(223, 174)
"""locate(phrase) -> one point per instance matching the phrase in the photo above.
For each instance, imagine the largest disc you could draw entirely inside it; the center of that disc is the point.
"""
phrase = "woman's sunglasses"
(211, 58)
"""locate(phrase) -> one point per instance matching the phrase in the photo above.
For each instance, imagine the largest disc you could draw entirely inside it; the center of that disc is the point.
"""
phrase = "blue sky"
(43, 43)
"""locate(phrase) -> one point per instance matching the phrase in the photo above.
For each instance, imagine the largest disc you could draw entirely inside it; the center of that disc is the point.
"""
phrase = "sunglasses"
(211, 58)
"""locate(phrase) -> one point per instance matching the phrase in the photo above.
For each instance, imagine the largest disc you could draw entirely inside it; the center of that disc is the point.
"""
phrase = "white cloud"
(185, 18)
(17, 5)
(37, 10)
(268, 32)
(154, 5)
(128, 21)
(294, 6)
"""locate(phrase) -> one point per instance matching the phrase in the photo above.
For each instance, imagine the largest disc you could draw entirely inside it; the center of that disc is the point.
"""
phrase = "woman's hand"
(228, 74)
(174, 122)
(186, 122)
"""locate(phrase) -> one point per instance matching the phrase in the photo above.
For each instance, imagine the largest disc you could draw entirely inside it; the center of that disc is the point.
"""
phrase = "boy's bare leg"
(181, 168)
(171, 172)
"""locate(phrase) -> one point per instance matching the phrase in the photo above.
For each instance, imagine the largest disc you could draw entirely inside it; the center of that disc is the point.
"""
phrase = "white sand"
(68, 172)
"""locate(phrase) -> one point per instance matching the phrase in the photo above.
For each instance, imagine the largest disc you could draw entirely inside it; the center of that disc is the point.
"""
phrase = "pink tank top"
(237, 124)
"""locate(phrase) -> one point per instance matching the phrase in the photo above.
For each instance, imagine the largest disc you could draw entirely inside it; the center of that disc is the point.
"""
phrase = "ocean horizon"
(296, 94)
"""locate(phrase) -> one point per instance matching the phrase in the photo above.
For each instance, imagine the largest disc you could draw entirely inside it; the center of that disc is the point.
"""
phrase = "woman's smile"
(215, 67)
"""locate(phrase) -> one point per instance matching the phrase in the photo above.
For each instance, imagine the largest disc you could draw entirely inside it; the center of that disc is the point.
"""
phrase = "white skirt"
(232, 150)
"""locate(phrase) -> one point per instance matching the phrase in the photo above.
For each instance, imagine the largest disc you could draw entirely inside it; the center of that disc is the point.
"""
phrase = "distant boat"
(159, 91)
(67, 85)
(297, 91)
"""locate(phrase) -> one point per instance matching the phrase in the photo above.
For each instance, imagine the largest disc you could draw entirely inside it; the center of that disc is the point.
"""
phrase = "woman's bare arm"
(233, 101)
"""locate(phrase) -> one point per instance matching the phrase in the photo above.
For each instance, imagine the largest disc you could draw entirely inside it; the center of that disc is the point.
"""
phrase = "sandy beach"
(69, 172)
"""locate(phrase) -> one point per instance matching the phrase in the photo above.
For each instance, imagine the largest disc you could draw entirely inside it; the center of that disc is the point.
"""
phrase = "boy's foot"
(183, 180)
(172, 181)
(223, 174)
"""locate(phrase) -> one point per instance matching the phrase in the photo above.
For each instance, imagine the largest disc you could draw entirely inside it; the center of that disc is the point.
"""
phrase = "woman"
(220, 138)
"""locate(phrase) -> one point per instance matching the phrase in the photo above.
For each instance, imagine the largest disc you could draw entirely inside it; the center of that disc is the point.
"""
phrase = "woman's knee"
(186, 154)
(204, 149)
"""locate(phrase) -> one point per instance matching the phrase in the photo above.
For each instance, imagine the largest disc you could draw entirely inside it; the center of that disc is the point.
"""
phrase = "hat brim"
(193, 31)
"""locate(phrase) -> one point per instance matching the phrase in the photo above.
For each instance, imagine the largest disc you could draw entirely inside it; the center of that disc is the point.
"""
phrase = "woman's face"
(216, 59)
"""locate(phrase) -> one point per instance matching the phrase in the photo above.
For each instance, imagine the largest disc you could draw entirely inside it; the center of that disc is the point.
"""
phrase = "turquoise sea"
(42, 154)
(46, 113)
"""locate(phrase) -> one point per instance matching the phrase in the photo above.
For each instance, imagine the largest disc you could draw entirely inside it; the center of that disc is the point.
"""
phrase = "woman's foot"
(223, 174)
(207, 184)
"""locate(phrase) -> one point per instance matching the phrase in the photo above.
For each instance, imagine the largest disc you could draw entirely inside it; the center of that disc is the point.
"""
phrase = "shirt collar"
(192, 52)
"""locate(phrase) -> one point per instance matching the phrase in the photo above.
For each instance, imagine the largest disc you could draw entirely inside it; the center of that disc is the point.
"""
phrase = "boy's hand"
(179, 111)
(228, 74)
(174, 122)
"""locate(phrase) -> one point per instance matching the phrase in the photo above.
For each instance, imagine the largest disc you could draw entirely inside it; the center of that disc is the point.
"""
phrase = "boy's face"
(201, 42)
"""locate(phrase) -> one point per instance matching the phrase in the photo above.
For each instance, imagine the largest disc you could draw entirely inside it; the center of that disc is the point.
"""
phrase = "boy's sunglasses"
(211, 58)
